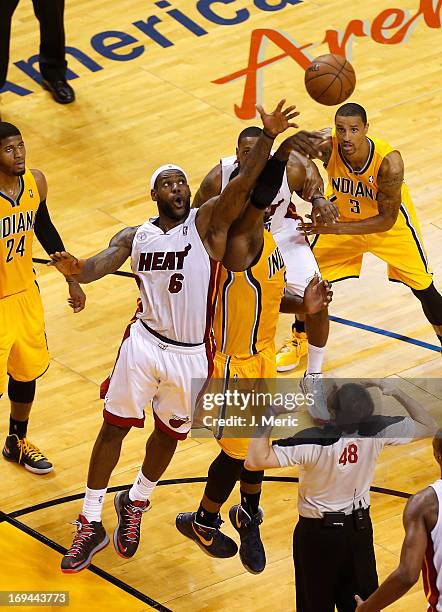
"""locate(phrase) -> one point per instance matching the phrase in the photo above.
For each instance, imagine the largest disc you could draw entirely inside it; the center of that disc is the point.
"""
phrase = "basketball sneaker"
(313, 384)
(89, 539)
(24, 452)
(289, 356)
(127, 532)
(251, 551)
(210, 539)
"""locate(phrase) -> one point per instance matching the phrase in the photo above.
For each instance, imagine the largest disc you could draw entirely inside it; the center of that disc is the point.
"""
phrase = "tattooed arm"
(97, 266)
(390, 179)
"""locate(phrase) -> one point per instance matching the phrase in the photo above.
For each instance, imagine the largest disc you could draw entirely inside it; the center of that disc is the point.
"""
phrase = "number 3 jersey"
(354, 192)
(17, 218)
(177, 281)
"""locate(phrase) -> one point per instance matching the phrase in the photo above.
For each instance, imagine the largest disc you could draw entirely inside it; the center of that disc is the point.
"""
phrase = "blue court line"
(385, 332)
(375, 330)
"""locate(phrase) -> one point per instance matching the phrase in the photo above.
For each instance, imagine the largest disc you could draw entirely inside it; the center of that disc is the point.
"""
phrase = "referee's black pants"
(332, 564)
(50, 14)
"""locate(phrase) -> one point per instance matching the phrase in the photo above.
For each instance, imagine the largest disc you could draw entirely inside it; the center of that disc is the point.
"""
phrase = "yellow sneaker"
(289, 356)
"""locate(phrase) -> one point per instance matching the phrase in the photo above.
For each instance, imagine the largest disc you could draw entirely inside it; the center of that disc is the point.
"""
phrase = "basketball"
(330, 79)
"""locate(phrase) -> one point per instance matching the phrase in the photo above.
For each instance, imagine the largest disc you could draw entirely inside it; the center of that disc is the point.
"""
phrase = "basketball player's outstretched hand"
(66, 263)
(77, 297)
(360, 604)
(279, 120)
(308, 143)
(317, 295)
(324, 211)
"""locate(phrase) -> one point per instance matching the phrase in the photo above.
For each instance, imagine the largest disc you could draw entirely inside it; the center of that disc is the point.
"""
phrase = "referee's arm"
(425, 425)
(261, 455)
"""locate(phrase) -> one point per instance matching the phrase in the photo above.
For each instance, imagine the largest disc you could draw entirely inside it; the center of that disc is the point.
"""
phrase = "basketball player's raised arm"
(416, 515)
(217, 215)
(245, 237)
(209, 188)
(99, 265)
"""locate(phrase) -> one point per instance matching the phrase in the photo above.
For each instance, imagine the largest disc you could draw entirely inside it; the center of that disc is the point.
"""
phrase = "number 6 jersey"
(177, 281)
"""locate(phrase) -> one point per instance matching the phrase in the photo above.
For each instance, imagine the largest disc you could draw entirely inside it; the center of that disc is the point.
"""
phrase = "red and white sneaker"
(127, 532)
(89, 539)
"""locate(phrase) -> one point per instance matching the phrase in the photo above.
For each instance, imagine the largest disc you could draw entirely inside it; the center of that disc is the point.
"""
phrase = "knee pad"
(431, 301)
(252, 477)
(21, 392)
(222, 477)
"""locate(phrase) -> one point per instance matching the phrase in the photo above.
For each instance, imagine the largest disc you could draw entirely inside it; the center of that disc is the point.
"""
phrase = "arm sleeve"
(268, 183)
(45, 231)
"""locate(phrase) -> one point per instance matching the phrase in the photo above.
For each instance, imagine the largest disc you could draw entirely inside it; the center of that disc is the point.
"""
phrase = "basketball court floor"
(176, 81)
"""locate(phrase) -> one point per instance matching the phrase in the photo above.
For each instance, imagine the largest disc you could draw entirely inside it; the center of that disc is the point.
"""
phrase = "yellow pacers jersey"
(248, 303)
(354, 192)
(17, 220)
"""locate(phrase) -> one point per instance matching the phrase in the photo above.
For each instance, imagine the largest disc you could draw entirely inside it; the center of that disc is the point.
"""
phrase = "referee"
(333, 541)
(52, 57)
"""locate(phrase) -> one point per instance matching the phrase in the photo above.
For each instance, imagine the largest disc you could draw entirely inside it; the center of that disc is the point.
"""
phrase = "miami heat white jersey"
(280, 205)
(432, 567)
(176, 279)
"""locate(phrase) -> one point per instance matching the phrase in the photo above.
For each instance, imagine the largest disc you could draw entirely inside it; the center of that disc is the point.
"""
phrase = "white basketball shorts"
(150, 370)
(299, 260)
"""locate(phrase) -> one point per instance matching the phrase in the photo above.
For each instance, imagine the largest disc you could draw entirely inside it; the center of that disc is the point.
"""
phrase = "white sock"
(142, 488)
(93, 504)
(315, 359)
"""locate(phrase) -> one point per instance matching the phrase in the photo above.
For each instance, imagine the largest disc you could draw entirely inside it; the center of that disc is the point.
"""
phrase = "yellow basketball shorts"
(256, 373)
(23, 348)
(401, 247)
